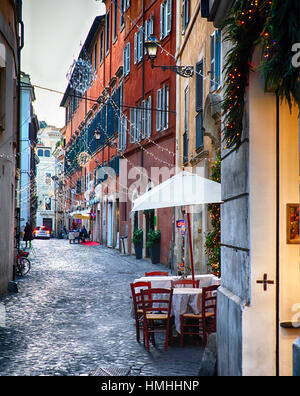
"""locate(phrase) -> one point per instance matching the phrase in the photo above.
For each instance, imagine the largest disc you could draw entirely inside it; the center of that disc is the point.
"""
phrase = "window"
(165, 18)
(48, 178)
(115, 19)
(122, 19)
(101, 48)
(158, 110)
(215, 60)
(2, 99)
(149, 27)
(165, 107)
(138, 46)
(126, 59)
(186, 6)
(149, 117)
(40, 153)
(47, 153)
(96, 56)
(199, 94)
(132, 125)
(162, 106)
(107, 30)
(199, 131)
(123, 132)
(185, 148)
(186, 109)
(199, 85)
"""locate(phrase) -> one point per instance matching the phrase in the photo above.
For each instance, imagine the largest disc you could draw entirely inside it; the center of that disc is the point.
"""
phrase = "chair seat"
(157, 316)
(197, 316)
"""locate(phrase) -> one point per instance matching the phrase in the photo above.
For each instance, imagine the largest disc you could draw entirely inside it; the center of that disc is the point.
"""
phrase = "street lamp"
(151, 46)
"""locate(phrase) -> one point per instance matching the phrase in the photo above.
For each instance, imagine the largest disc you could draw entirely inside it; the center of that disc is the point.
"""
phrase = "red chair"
(137, 304)
(156, 305)
(185, 282)
(206, 321)
(157, 273)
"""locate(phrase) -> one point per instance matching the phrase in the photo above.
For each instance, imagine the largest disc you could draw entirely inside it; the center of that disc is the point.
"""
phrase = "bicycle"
(23, 263)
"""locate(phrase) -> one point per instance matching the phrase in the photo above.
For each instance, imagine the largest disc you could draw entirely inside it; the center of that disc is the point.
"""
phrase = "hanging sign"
(180, 224)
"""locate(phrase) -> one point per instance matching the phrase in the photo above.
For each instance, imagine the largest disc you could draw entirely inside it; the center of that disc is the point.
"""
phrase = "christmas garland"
(275, 26)
(213, 238)
(282, 30)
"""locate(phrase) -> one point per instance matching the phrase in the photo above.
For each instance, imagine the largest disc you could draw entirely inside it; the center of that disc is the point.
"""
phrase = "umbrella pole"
(191, 245)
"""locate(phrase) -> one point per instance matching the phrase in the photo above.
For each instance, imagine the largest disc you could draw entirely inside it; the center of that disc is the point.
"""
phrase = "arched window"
(40, 153)
(47, 153)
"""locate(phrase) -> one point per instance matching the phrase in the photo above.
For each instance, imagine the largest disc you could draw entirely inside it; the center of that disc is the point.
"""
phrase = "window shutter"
(149, 117)
(212, 60)
(124, 61)
(135, 48)
(169, 16)
(163, 107)
(158, 113)
(144, 118)
(132, 125)
(128, 57)
(199, 132)
(218, 58)
(124, 132)
(161, 35)
(199, 85)
(167, 107)
(140, 43)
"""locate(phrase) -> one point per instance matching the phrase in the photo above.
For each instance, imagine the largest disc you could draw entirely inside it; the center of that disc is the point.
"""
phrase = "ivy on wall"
(275, 26)
(213, 238)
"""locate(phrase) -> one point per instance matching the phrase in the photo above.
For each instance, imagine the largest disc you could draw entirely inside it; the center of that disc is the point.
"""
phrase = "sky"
(54, 31)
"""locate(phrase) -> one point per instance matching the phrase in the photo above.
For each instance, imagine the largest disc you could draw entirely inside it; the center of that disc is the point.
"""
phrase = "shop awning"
(183, 189)
(85, 214)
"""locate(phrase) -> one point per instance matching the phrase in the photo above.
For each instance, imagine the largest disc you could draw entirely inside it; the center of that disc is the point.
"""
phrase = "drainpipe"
(277, 229)
(143, 73)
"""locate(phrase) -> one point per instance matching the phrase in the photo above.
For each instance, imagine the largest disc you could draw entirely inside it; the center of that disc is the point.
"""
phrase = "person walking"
(28, 235)
(83, 233)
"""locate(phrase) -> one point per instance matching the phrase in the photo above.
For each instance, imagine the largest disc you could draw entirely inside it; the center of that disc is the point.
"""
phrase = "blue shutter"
(217, 59)
(199, 132)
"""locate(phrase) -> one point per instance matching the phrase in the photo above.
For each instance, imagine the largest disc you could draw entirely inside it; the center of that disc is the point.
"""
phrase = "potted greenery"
(137, 240)
(153, 243)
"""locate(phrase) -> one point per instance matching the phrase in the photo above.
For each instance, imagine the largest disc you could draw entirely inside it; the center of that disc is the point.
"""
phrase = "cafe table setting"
(185, 299)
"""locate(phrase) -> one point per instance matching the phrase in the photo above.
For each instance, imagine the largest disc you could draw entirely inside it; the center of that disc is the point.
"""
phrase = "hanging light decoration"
(81, 75)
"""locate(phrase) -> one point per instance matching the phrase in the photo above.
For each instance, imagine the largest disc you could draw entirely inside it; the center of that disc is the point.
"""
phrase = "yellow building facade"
(198, 118)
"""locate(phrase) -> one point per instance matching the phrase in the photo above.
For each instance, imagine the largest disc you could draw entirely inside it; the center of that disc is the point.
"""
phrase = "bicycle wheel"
(24, 266)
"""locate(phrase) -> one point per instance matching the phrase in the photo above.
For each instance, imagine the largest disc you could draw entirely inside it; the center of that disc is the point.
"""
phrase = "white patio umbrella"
(183, 189)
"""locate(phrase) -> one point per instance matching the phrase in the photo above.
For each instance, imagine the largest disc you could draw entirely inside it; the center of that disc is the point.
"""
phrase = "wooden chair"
(156, 307)
(185, 282)
(157, 273)
(137, 304)
(206, 321)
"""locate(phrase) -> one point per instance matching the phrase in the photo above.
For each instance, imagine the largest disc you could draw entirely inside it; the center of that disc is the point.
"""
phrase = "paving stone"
(72, 317)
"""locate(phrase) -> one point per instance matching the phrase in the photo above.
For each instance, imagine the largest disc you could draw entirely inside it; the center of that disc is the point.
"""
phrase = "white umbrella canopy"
(185, 188)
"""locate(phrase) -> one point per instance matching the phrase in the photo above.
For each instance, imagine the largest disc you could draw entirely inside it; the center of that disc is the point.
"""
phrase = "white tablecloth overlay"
(185, 299)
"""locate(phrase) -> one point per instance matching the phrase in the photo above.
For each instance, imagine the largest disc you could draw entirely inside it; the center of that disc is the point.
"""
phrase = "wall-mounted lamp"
(151, 46)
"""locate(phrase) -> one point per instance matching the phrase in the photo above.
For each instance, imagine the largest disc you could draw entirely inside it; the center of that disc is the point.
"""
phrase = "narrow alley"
(72, 316)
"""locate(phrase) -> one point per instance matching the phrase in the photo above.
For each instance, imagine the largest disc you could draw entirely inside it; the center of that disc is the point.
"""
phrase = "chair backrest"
(157, 273)
(185, 283)
(157, 300)
(136, 293)
(209, 299)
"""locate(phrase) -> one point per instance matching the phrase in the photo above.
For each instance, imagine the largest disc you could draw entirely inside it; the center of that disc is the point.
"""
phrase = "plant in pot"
(153, 243)
(137, 239)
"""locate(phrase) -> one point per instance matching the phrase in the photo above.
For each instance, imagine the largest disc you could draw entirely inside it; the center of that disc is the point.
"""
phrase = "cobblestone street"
(71, 316)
